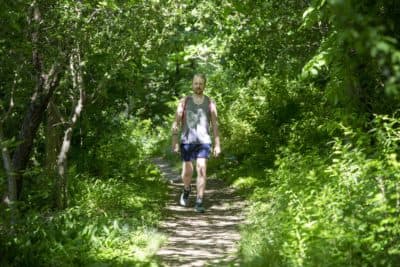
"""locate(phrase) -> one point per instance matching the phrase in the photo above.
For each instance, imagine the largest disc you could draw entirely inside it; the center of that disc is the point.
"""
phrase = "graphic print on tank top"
(196, 124)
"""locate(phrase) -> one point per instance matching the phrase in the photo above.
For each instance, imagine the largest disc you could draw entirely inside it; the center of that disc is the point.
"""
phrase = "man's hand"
(175, 148)
(217, 151)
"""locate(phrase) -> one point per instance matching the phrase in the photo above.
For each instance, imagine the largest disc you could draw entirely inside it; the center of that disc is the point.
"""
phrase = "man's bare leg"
(187, 173)
(201, 167)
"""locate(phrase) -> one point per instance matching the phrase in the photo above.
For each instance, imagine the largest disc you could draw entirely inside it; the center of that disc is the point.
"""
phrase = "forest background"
(308, 101)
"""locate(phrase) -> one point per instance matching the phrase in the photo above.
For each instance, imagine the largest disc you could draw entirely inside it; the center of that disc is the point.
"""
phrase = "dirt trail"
(208, 239)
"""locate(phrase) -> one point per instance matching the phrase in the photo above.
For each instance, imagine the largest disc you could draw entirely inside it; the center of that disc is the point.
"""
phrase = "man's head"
(199, 83)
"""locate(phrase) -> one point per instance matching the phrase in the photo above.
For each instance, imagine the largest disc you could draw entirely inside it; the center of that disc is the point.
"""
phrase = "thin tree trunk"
(11, 197)
(29, 127)
(53, 143)
(46, 83)
(62, 159)
(12, 189)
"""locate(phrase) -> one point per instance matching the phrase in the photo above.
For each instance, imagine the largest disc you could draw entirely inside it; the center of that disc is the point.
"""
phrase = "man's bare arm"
(214, 124)
(176, 125)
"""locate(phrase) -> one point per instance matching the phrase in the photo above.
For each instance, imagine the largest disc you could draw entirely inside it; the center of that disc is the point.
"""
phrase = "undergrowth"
(111, 219)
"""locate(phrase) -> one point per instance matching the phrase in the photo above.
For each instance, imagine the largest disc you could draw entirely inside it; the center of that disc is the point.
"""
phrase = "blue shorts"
(191, 152)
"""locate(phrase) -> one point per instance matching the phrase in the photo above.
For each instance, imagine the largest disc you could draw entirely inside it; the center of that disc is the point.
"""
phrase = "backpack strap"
(184, 110)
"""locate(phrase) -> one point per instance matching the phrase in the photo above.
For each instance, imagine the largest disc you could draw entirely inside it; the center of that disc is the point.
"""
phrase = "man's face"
(198, 85)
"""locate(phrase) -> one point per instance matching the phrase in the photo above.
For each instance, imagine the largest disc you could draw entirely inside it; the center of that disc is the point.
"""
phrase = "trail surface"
(208, 239)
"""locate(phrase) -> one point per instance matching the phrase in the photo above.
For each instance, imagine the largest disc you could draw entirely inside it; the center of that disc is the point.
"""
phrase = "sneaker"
(199, 207)
(184, 201)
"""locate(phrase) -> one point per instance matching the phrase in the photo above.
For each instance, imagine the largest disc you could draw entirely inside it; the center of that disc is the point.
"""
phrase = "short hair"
(200, 75)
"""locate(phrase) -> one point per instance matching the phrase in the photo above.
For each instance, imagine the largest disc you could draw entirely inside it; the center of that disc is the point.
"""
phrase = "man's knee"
(187, 169)
(187, 174)
(201, 166)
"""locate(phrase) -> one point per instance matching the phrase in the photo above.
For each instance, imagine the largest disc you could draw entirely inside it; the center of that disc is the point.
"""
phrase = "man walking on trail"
(193, 117)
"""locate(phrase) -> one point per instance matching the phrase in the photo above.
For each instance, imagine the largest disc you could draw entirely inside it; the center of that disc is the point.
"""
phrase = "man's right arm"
(214, 123)
(176, 125)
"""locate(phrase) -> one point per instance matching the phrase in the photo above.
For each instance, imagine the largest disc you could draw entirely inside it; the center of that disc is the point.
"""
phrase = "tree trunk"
(62, 159)
(46, 83)
(11, 198)
(53, 142)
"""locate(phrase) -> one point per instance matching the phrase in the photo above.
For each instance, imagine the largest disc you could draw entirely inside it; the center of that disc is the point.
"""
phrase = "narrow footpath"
(208, 239)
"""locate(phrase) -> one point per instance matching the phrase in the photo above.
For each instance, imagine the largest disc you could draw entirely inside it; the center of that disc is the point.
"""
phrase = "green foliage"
(307, 102)
(307, 95)
(111, 217)
(337, 210)
(109, 222)
(357, 45)
(125, 147)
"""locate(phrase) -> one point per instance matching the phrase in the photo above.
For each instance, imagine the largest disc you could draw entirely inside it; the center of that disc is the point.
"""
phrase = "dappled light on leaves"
(308, 109)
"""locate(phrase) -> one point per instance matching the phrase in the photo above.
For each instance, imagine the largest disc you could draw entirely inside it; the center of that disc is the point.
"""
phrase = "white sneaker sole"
(182, 201)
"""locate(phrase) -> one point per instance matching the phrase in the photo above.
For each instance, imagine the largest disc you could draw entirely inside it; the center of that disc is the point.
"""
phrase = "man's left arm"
(214, 124)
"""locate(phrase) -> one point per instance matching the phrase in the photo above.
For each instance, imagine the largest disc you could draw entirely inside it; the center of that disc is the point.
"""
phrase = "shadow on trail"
(203, 239)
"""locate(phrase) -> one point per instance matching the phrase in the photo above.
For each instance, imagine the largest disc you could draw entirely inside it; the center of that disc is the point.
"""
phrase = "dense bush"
(310, 130)
(111, 217)
(335, 210)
